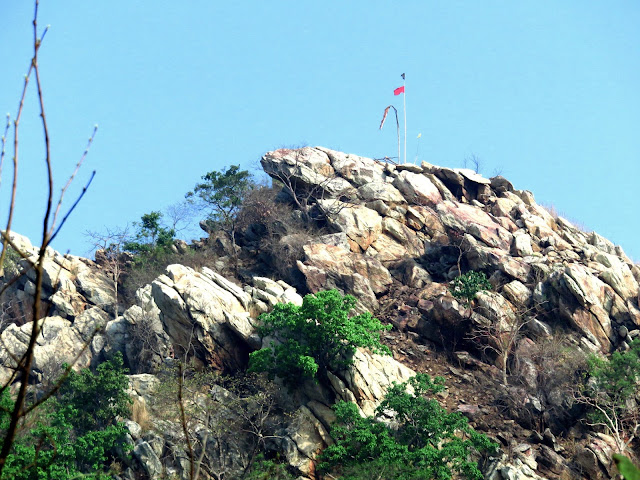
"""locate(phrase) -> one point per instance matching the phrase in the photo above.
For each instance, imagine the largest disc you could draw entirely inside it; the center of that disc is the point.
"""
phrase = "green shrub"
(319, 335)
(152, 238)
(268, 469)
(11, 267)
(609, 394)
(619, 374)
(424, 441)
(466, 286)
(76, 433)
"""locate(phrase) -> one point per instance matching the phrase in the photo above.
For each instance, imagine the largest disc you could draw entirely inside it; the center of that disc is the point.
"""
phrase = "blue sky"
(545, 92)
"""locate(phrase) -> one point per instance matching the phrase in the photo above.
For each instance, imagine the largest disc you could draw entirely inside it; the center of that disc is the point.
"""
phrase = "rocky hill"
(393, 236)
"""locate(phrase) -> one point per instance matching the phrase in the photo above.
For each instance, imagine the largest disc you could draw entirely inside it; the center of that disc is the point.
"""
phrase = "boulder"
(58, 342)
(417, 188)
(195, 312)
(97, 288)
(379, 190)
(357, 170)
(328, 266)
(302, 440)
(361, 224)
(148, 459)
(369, 378)
(468, 219)
(309, 169)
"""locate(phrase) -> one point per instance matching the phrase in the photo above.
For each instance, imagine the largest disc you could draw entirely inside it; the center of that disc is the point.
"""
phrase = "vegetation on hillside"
(465, 287)
(418, 438)
(322, 334)
(77, 433)
(611, 394)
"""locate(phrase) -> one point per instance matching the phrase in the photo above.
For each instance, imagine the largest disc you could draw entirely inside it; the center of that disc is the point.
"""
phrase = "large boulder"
(328, 266)
(417, 188)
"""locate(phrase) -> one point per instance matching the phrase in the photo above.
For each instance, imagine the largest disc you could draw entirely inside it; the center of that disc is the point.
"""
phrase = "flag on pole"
(419, 135)
(399, 90)
(402, 76)
(384, 117)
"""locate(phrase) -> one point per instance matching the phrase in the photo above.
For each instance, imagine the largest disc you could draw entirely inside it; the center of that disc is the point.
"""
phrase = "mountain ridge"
(394, 236)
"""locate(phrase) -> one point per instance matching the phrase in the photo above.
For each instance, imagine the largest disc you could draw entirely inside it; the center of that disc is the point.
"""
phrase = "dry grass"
(555, 213)
(140, 415)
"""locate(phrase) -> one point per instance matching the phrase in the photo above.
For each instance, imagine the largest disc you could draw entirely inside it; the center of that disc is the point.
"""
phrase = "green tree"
(77, 432)
(221, 196)
(319, 335)
(151, 238)
(425, 441)
(610, 394)
(269, 469)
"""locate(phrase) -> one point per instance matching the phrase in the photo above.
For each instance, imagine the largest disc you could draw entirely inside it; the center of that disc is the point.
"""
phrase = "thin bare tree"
(108, 247)
(52, 222)
(306, 196)
(500, 333)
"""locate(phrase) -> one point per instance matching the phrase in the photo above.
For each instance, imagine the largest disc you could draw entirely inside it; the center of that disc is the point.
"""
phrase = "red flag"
(384, 117)
(399, 90)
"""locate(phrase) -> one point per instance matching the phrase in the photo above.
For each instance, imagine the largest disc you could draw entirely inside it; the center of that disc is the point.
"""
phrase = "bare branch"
(70, 180)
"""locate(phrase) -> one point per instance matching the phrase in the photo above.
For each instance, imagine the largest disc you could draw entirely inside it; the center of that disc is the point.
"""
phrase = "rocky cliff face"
(396, 235)
(418, 226)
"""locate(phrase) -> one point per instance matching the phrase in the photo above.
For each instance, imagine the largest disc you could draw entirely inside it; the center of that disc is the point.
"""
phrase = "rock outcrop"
(394, 237)
(200, 315)
(443, 219)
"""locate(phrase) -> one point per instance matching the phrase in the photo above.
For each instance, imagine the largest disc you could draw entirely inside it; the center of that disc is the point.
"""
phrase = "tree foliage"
(611, 394)
(75, 433)
(221, 194)
(618, 375)
(152, 237)
(422, 441)
(466, 286)
(269, 469)
(320, 334)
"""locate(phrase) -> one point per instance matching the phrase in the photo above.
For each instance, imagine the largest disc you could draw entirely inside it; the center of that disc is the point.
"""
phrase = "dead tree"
(109, 252)
(498, 331)
(307, 196)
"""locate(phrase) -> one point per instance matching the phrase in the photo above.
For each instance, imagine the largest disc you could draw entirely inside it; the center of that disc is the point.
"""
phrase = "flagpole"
(398, 127)
(404, 98)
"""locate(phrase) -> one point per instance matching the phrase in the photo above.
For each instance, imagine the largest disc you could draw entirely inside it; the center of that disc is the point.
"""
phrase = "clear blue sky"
(545, 91)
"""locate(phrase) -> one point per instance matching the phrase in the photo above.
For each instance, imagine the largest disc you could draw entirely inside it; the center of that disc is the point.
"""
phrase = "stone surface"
(329, 267)
(394, 236)
(417, 188)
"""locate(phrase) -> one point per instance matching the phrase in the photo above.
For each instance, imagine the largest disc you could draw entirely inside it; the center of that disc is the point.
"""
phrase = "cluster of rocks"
(181, 311)
(399, 234)
(416, 224)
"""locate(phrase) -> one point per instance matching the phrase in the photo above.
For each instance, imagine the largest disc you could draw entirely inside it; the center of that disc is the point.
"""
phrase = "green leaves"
(618, 376)
(76, 433)
(425, 441)
(222, 193)
(151, 237)
(319, 335)
(612, 384)
(627, 469)
(94, 401)
(466, 286)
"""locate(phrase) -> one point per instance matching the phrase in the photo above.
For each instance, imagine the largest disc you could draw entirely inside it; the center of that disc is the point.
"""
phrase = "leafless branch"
(22, 369)
(621, 424)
